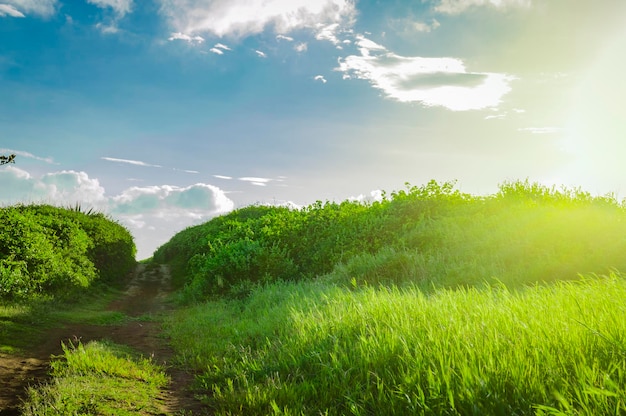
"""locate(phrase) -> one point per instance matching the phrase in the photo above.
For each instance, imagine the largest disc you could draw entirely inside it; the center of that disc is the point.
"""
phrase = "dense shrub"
(51, 251)
(432, 234)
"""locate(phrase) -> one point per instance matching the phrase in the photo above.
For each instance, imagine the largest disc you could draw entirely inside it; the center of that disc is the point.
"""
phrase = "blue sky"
(165, 113)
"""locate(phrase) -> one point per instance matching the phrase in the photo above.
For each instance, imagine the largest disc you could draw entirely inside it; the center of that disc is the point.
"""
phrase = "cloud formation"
(22, 8)
(130, 162)
(28, 155)
(242, 18)
(152, 214)
(187, 38)
(443, 82)
(120, 7)
(459, 6)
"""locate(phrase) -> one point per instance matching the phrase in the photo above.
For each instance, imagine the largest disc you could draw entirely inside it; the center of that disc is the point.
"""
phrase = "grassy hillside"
(433, 236)
(51, 252)
(429, 302)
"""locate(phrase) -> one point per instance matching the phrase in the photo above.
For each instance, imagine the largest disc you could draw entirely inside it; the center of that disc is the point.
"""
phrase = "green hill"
(430, 302)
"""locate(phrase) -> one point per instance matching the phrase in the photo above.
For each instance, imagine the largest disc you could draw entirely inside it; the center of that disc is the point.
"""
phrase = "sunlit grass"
(313, 349)
(99, 378)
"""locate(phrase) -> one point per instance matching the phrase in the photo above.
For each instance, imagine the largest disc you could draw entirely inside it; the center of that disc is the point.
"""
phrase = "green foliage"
(312, 348)
(47, 251)
(431, 235)
(100, 378)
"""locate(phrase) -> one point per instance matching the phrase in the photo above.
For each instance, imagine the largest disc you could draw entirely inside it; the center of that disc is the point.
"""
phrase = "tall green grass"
(315, 348)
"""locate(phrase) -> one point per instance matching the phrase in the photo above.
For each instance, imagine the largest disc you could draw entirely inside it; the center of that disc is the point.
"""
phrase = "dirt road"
(146, 294)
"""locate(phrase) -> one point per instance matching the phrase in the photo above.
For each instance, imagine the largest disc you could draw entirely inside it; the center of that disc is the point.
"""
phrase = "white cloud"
(187, 38)
(63, 188)
(301, 47)
(425, 27)
(459, 6)
(256, 181)
(542, 130)
(109, 29)
(120, 7)
(219, 49)
(283, 37)
(8, 10)
(152, 214)
(241, 18)
(222, 46)
(320, 78)
(443, 82)
(222, 177)
(28, 155)
(22, 8)
(261, 54)
(130, 162)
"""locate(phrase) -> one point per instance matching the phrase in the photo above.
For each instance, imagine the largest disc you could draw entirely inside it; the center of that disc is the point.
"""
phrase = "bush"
(47, 251)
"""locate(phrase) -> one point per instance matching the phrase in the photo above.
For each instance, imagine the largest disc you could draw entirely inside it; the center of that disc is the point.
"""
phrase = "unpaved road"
(146, 294)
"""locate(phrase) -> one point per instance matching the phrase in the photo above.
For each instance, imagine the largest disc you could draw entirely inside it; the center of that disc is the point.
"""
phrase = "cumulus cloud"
(459, 6)
(152, 214)
(130, 162)
(155, 213)
(242, 18)
(22, 8)
(301, 47)
(443, 82)
(64, 187)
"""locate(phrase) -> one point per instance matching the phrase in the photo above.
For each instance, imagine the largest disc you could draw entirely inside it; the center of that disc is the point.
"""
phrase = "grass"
(23, 325)
(99, 378)
(314, 348)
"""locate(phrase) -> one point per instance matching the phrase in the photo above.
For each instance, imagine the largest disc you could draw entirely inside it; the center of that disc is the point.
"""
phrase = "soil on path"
(145, 295)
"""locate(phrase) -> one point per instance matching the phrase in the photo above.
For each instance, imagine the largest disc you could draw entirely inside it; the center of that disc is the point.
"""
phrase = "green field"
(428, 302)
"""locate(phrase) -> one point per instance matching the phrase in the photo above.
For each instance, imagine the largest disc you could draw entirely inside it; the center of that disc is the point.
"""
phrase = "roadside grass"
(99, 378)
(312, 348)
(23, 325)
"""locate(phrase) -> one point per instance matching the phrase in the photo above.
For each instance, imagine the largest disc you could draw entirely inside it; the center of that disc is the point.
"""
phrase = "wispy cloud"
(11, 11)
(130, 162)
(223, 177)
(301, 47)
(283, 37)
(459, 6)
(219, 49)
(120, 7)
(320, 78)
(261, 54)
(256, 181)
(187, 38)
(242, 18)
(28, 155)
(541, 130)
(22, 8)
(443, 82)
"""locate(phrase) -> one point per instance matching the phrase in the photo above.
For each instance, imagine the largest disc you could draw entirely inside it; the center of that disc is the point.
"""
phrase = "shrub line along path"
(145, 295)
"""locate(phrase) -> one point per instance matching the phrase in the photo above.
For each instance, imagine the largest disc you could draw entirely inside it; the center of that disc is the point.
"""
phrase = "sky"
(166, 113)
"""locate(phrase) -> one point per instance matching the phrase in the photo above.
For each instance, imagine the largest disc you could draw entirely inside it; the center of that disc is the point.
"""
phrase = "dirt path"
(146, 294)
